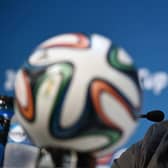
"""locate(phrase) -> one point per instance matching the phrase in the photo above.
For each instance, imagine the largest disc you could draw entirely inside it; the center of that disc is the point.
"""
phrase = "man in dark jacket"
(150, 152)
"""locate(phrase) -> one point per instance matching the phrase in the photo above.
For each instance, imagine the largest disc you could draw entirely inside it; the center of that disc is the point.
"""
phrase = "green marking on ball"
(66, 73)
(113, 136)
(114, 61)
(65, 70)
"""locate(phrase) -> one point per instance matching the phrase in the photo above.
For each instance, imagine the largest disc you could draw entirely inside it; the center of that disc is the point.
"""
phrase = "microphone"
(154, 115)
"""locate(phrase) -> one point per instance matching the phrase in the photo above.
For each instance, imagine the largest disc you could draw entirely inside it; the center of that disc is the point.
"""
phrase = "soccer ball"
(78, 92)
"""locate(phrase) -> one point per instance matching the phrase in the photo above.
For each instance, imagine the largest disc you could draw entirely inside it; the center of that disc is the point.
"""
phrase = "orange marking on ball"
(97, 88)
(28, 110)
(83, 42)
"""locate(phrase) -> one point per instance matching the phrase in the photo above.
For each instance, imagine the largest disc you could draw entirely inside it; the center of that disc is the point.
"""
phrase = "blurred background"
(141, 27)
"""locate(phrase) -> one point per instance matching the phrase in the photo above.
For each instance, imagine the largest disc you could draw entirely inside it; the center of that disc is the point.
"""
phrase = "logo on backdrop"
(16, 133)
(9, 79)
(156, 82)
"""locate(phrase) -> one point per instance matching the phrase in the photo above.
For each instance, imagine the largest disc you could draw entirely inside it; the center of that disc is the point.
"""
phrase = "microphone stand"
(70, 159)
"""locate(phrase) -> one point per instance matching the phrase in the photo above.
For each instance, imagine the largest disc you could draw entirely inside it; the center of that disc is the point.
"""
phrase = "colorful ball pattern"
(78, 92)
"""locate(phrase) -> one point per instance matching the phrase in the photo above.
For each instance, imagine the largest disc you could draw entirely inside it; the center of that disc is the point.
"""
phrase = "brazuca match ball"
(78, 92)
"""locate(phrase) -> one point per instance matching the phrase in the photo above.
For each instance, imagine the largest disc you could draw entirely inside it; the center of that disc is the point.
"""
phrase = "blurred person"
(150, 152)
(6, 113)
(20, 151)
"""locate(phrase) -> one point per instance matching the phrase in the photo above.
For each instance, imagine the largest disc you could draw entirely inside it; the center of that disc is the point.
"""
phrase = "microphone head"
(155, 115)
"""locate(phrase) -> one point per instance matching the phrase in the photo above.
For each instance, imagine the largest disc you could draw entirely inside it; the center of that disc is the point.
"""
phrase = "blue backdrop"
(141, 27)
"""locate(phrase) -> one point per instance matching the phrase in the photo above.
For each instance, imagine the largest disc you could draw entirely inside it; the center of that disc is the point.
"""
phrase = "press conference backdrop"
(141, 27)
